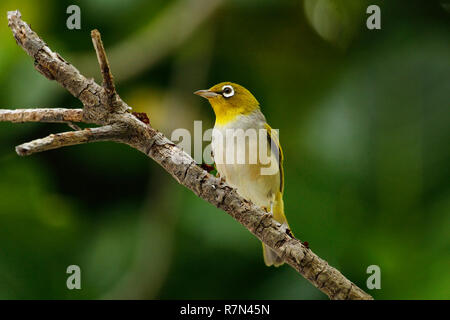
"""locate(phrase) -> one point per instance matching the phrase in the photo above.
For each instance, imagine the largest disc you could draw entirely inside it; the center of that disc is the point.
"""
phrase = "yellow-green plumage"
(236, 108)
(242, 103)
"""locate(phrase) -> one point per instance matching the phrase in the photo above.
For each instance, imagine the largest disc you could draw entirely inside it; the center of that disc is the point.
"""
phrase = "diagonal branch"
(121, 126)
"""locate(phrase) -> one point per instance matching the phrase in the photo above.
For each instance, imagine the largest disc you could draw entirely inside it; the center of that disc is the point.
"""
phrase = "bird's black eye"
(227, 91)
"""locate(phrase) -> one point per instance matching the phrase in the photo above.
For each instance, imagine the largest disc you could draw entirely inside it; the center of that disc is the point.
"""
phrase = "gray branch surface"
(102, 106)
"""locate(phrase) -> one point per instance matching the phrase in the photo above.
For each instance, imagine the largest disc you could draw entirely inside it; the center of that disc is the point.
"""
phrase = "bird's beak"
(206, 93)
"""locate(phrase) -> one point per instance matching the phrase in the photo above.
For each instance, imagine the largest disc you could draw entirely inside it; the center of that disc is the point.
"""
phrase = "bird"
(255, 172)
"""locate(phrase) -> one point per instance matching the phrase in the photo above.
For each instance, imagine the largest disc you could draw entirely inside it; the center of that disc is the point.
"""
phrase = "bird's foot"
(285, 228)
(208, 168)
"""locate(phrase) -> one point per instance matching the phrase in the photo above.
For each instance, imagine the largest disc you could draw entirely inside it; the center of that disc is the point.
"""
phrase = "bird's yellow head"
(229, 100)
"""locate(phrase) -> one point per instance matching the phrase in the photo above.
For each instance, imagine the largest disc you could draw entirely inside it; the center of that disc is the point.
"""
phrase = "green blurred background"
(363, 118)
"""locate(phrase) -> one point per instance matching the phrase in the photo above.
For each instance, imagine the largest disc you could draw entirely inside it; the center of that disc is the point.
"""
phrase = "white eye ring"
(227, 91)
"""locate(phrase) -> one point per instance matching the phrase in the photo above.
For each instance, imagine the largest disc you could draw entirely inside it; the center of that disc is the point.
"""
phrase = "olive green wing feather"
(272, 138)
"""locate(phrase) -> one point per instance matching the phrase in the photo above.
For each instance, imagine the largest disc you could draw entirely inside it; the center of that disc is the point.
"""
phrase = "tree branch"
(71, 138)
(55, 115)
(121, 126)
(108, 80)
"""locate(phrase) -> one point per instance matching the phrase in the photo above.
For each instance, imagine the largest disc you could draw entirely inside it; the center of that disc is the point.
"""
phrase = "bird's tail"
(270, 257)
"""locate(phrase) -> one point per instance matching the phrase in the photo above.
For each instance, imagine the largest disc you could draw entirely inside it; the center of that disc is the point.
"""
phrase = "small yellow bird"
(235, 109)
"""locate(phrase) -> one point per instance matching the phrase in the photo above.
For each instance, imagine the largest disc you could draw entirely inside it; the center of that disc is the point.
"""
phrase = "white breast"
(239, 163)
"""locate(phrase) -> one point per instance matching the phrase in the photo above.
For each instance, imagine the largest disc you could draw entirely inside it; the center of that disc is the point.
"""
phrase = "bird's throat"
(226, 113)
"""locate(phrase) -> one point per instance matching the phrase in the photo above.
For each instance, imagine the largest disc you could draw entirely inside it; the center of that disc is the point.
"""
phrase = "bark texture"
(102, 106)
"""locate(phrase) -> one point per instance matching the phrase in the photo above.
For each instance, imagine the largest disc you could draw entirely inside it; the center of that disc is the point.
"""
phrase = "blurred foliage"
(364, 123)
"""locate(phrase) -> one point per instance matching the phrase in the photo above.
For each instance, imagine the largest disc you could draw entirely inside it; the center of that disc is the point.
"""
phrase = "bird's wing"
(272, 138)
